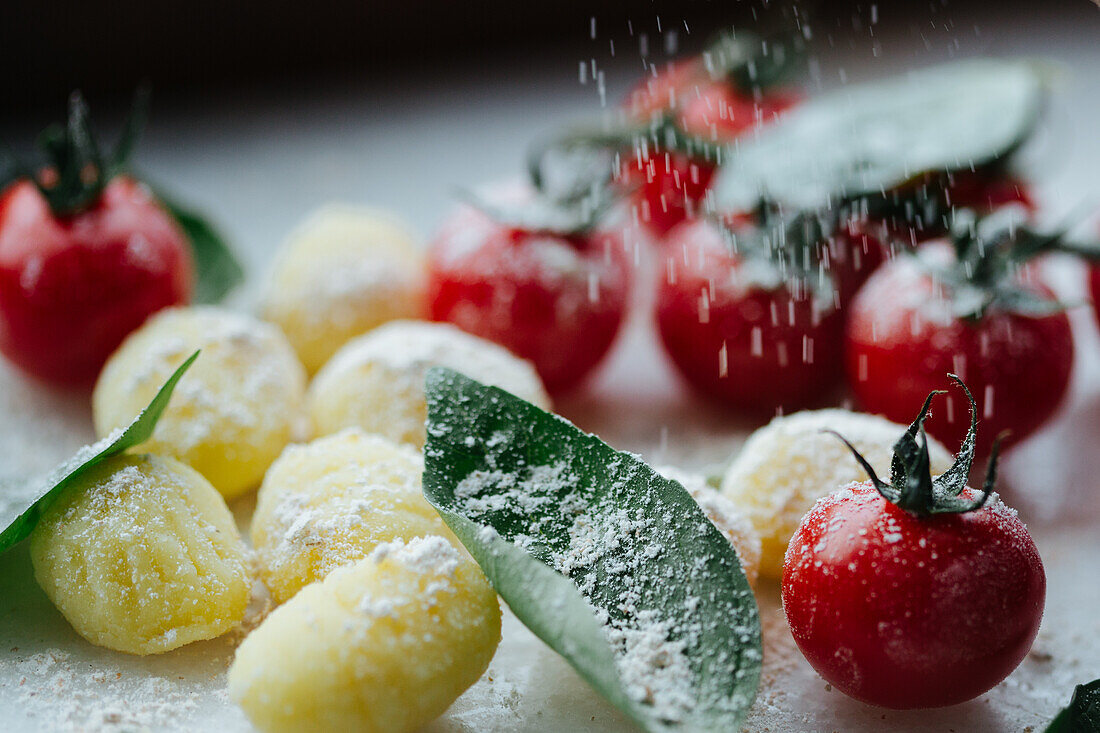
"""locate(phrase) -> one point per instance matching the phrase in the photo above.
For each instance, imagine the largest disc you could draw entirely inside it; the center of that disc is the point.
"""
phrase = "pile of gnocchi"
(381, 618)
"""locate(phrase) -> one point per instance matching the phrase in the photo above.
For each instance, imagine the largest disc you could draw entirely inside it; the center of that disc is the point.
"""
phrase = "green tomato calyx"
(76, 170)
(912, 487)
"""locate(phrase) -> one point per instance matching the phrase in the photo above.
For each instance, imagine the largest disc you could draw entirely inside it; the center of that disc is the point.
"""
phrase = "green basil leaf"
(18, 527)
(609, 563)
(868, 138)
(1083, 713)
(217, 270)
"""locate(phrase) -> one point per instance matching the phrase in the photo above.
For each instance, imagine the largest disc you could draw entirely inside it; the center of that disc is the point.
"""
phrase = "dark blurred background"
(105, 47)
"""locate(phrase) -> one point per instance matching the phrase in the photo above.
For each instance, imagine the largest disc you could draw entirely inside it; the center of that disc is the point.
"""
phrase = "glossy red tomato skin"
(663, 90)
(719, 112)
(668, 187)
(72, 288)
(901, 342)
(752, 347)
(671, 186)
(555, 300)
(986, 193)
(903, 612)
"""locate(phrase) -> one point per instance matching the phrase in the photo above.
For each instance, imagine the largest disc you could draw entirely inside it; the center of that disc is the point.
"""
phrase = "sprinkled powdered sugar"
(83, 455)
(239, 384)
(412, 347)
(335, 521)
(783, 452)
(376, 381)
(725, 515)
(787, 465)
(432, 559)
(63, 695)
(608, 550)
(358, 285)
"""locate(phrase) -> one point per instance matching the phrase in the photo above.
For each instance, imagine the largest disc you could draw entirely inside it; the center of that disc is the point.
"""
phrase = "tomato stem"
(76, 171)
(911, 486)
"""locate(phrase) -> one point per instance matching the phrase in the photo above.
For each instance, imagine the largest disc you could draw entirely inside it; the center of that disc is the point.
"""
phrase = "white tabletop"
(261, 162)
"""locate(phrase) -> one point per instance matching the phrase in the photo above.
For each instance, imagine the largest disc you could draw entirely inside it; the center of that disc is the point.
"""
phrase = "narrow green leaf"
(217, 270)
(18, 527)
(1083, 713)
(600, 556)
(869, 138)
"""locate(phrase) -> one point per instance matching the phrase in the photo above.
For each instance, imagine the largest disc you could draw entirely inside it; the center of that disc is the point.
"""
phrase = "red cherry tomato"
(750, 345)
(980, 192)
(853, 254)
(984, 193)
(554, 299)
(718, 112)
(908, 612)
(671, 186)
(72, 288)
(663, 90)
(902, 336)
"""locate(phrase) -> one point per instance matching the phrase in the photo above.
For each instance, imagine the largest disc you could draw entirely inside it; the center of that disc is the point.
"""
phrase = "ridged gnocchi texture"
(344, 271)
(235, 408)
(376, 381)
(332, 502)
(724, 514)
(787, 465)
(142, 556)
(381, 646)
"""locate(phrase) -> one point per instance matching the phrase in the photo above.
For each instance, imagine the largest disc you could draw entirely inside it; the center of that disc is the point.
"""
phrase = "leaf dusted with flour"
(864, 139)
(615, 567)
(19, 526)
(1083, 713)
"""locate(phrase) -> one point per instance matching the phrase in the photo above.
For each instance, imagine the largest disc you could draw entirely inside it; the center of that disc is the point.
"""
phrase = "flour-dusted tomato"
(916, 593)
(664, 89)
(692, 109)
(676, 125)
(741, 333)
(974, 308)
(554, 297)
(86, 255)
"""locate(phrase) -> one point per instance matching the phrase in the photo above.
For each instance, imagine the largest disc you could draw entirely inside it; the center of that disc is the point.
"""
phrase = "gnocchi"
(787, 465)
(381, 646)
(142, 556)
(344, 271)
(233, 411)
(376, 381)
(331, 502)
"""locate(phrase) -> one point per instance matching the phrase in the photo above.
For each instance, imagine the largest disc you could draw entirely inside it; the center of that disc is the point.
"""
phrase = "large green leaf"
(598, 555)
(868, 138)
(1083, 713)
(18, 526)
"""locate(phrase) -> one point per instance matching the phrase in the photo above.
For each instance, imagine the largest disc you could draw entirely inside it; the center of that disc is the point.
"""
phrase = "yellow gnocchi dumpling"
(235, 408)
(724, 514)
(381, 646)
(142, 556)
(344, 271)
(332, 502)
(787, 465)
(376, 381)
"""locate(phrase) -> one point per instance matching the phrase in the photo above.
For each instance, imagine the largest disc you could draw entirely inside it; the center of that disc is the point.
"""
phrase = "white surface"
(260, 167)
